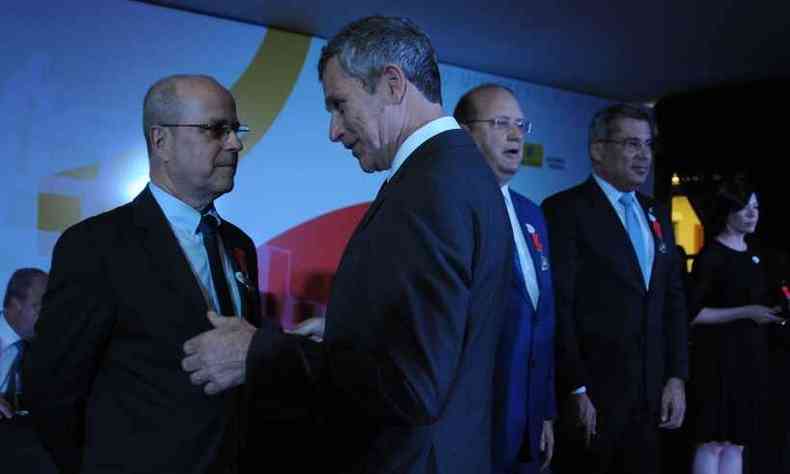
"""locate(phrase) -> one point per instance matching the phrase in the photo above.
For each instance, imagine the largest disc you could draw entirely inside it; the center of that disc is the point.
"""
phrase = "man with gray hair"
(21, 305)
(406, 366)
(622, 354)
(104, 381)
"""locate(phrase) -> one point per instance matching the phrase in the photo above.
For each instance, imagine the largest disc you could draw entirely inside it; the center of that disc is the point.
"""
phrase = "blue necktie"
(635, 233)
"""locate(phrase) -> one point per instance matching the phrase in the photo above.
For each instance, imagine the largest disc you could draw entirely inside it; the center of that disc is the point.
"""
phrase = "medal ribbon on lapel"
(656, 227)
(241, 261)
(544, 262)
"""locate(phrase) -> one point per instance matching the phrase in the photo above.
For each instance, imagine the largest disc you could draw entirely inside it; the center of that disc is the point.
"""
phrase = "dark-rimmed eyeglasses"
(632, 145)
(504, 123)
(218, 131)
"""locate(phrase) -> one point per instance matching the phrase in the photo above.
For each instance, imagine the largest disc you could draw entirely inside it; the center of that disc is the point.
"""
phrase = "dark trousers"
(21, 452)
(620, 447)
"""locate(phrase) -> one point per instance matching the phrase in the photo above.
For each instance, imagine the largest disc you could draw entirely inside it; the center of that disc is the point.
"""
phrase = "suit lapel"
(610, 238)
(164, 252)
(234, 249)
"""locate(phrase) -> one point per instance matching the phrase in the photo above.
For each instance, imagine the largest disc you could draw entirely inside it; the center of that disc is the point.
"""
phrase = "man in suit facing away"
(406, 365)
(129, 286)
(622, 354)
(524, 404)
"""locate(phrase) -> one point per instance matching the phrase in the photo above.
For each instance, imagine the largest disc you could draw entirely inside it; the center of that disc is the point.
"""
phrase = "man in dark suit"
(20, 450)
(622, 354)
(103, 380)
(406, 365)
(524, 401)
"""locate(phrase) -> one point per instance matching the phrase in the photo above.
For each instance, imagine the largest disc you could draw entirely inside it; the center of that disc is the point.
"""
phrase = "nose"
(335, 129)
(515, 133)
(233, 142)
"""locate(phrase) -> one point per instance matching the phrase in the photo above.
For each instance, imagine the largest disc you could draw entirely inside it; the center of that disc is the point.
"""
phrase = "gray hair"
(365, 46)
(602, 124)
(20, 283)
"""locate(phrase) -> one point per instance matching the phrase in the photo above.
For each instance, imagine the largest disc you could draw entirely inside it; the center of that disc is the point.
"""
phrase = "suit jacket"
(619, 339)
(413, 321)
(524, 380)
(103, 379)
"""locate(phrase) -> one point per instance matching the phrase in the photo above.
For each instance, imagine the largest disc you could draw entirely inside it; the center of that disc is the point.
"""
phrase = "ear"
(596, 152)
(157, 136)
(394, 81)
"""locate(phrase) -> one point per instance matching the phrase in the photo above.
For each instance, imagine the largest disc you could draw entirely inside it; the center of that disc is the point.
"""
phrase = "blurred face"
(24, 313)
(358, 119)
(201, 164)
(502, 147)
(745, 220)
(624, 165)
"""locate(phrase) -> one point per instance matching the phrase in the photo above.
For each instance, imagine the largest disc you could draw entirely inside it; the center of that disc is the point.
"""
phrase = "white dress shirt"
(8, 350)
(524, 256)
(184, 220)
(417, 138)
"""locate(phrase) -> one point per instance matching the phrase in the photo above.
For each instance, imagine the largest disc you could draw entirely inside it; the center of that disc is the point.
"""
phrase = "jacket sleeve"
(563, 236)
(73, 328)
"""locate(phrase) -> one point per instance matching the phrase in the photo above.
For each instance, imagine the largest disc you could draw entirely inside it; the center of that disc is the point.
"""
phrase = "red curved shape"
(295, 268)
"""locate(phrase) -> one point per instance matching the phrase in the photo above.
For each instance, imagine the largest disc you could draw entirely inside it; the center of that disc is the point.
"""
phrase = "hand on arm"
(217, 358)
(312, 328)
(758, 313)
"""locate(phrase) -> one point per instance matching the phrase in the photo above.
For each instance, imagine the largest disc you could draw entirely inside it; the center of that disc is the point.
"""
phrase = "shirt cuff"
(580, 390)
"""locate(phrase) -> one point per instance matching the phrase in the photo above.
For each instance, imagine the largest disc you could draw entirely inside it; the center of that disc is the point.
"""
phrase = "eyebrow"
(331, 102)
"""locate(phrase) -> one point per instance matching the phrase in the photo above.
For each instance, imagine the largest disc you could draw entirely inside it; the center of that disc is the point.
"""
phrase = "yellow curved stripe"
(265, 85)
(57, 212)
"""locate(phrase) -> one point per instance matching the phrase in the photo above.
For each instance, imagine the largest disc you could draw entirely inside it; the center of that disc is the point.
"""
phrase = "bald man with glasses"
(104, 381)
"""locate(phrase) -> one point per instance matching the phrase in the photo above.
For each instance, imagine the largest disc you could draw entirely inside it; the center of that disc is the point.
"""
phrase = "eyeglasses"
(218, 131)
(504, 123)
(633, 145)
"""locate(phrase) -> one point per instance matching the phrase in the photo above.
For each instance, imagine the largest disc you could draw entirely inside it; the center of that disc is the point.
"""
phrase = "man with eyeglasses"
(622, 355)
(524, 402)
(104, 381)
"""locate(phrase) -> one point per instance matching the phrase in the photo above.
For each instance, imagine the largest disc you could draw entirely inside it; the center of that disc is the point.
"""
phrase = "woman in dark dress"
(730, 314)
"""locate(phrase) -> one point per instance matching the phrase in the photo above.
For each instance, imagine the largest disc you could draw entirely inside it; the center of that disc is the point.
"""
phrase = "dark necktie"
(208, 227)
(13, 374)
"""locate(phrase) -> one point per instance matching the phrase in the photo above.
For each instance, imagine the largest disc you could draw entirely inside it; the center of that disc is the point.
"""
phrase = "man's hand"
(673, 404)
(6, 410)
(547, 443)
(588, 417)
(312, 328)
(764, 315)
(217, 357)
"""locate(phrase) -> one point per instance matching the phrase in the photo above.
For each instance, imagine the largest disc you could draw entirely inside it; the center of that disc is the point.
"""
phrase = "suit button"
(531, 363)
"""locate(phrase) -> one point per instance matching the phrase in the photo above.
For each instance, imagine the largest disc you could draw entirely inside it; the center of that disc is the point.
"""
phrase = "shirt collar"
(7, 334)
(420, 136)
(181, 215)
(612, 194)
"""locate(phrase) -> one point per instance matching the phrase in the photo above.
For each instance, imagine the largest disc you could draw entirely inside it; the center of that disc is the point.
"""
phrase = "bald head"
(190, 127)
(493, 117)
(468, 107)
(165, 100)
